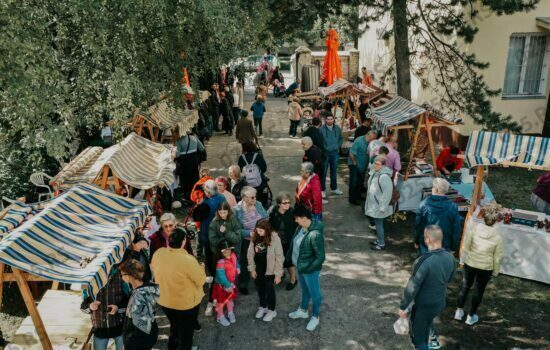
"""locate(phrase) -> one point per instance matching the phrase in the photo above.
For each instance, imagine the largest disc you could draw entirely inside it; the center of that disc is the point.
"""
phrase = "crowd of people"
(241, 235)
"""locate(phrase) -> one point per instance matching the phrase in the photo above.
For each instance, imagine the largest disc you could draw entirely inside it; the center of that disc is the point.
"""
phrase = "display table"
(411, 191)
(526, 251)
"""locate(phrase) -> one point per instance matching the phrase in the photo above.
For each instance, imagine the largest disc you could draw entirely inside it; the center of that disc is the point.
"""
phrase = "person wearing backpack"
(378, 204)
(253, 168)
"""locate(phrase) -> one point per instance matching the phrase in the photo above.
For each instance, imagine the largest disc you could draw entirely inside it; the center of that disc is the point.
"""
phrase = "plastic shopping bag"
(401, 326)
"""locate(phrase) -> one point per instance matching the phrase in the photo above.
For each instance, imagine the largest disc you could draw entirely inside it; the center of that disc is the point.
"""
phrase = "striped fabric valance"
(486, 148)
(15, 214)
(164, 116)
(395, 112)
(77, 238)
(138, 162)
(341, 85)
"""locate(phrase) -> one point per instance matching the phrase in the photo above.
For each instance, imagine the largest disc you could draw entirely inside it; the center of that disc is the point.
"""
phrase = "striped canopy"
(487, 148)
(395, 112)
(164, 116)
(138, 162)
(77, 238)
(342, 84)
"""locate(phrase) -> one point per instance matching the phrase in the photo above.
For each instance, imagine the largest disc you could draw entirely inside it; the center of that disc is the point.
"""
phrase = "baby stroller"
(278, 88)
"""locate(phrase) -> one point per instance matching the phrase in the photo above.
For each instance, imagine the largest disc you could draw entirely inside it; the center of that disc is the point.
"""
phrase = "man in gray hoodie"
(424, 295)
(332, 135)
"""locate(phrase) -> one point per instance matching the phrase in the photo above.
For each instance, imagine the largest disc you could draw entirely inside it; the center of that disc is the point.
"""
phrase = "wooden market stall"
(526, 247)
(402, 114)
(162, 117)
(76, 239)
(135, 162)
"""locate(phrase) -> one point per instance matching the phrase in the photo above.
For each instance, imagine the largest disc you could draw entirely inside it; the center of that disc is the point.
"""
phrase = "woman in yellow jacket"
(181, 280)
(481, 255)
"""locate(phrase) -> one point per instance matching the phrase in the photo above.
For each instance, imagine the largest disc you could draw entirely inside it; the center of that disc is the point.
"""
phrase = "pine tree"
(433, 52)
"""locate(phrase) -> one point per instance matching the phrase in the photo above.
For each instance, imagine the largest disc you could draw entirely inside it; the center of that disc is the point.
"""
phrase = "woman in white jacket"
(378, 203)
(481, 255)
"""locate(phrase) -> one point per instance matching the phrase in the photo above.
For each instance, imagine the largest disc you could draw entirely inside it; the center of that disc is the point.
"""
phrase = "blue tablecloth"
(467, 191)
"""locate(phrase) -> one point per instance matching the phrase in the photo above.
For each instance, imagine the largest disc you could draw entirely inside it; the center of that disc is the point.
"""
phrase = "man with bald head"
(424, 295)
(314, 155)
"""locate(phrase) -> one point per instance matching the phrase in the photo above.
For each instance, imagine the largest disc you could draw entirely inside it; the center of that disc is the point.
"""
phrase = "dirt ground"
(361, 288)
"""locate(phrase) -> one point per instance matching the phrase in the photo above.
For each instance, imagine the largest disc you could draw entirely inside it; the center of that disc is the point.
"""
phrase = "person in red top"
(447, 162)
(197, 193)
(540, 198)
(308, 191)
(160, 238)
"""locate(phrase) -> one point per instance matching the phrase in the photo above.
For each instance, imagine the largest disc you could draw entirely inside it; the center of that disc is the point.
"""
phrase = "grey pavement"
(361, 288)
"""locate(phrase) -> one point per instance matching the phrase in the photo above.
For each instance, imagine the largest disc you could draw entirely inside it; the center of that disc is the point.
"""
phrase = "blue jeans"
(332, 161)
(317, 217)
(311, 289)
(379, 223)
(356, 180)
(101, 343)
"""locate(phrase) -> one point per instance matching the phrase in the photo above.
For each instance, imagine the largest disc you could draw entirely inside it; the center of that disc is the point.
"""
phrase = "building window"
(526, 68)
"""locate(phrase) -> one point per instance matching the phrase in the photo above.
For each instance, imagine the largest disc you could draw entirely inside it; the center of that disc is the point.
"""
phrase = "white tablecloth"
(526, 252)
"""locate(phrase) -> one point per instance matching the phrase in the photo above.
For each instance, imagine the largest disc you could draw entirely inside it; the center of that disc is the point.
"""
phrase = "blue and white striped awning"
(395, 112)
(77, 238)
(487, 148)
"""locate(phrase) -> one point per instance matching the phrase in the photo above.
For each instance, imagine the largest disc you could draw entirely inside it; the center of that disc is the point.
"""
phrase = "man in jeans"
(426, 290)
(181, 280)
(357, 161)
(332, 136)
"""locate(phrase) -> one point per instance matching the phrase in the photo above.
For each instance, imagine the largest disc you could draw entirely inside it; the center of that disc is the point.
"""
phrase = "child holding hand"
(227, 270)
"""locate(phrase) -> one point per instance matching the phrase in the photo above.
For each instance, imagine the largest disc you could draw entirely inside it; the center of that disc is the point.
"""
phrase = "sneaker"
(270, 315)
(471, 320)
(372, 227)
(223, 321)
(459, 314)
(336, 192)
(434, 344)
(324, 201)
(298, 314)
(374, 243)
(209, 279)
(198, 328)
(231, 317)
(323, 194)
(209, 309)
(261, 312)
(291, 286)
(312, 324)
(379, 247)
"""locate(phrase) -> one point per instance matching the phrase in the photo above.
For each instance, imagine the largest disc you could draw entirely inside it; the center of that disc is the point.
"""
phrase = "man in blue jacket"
(438, 210)
(332, 136)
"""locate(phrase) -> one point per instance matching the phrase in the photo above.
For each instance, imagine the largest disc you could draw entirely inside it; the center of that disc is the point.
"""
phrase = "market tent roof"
(395, 112)
(341, 85)
(137, 161)
(488, 148)
(77, 238)
(164, 116)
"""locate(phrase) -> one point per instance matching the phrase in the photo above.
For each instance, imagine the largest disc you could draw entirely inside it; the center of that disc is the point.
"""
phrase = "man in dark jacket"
(315, 134)
(314, 155)
(332, 135)
(215, 101)
(438, 210)
(426, 289)
(244, 133)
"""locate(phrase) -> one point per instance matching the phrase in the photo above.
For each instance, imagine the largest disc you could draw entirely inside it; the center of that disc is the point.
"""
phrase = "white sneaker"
(324, 201)
(270, 315)
(298, 314)
(223, 321)
(312, 324)
(337, 192)
(471, 320)
(372, 227)
(261, 312)
(324, 194)
(459, 314)
(209, 279)
(231, 317)
(209, 309)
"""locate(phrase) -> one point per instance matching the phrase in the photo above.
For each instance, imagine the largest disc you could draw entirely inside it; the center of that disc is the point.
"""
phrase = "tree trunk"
(402, 54)
(546, 127)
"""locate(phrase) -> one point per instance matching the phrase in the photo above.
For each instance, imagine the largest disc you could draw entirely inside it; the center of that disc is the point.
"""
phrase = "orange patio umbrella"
(332, 68)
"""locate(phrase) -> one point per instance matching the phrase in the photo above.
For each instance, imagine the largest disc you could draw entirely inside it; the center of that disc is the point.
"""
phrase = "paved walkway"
(361, 288)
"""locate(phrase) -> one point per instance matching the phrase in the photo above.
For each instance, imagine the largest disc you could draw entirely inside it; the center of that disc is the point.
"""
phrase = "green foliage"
(64, 64)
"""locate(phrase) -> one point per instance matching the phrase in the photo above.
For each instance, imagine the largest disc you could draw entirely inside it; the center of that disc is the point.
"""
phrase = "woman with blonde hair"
(481, 255)
(236, 181)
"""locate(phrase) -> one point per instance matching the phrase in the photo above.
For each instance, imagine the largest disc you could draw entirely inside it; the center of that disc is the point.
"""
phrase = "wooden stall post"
(476, 196)
(431, 145)
(33, 311)
(104, 177)
(2, 266)
(413, 147)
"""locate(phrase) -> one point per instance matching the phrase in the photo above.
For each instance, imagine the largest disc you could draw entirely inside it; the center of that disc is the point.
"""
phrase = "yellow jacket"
(180, 278)
(482, 248)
